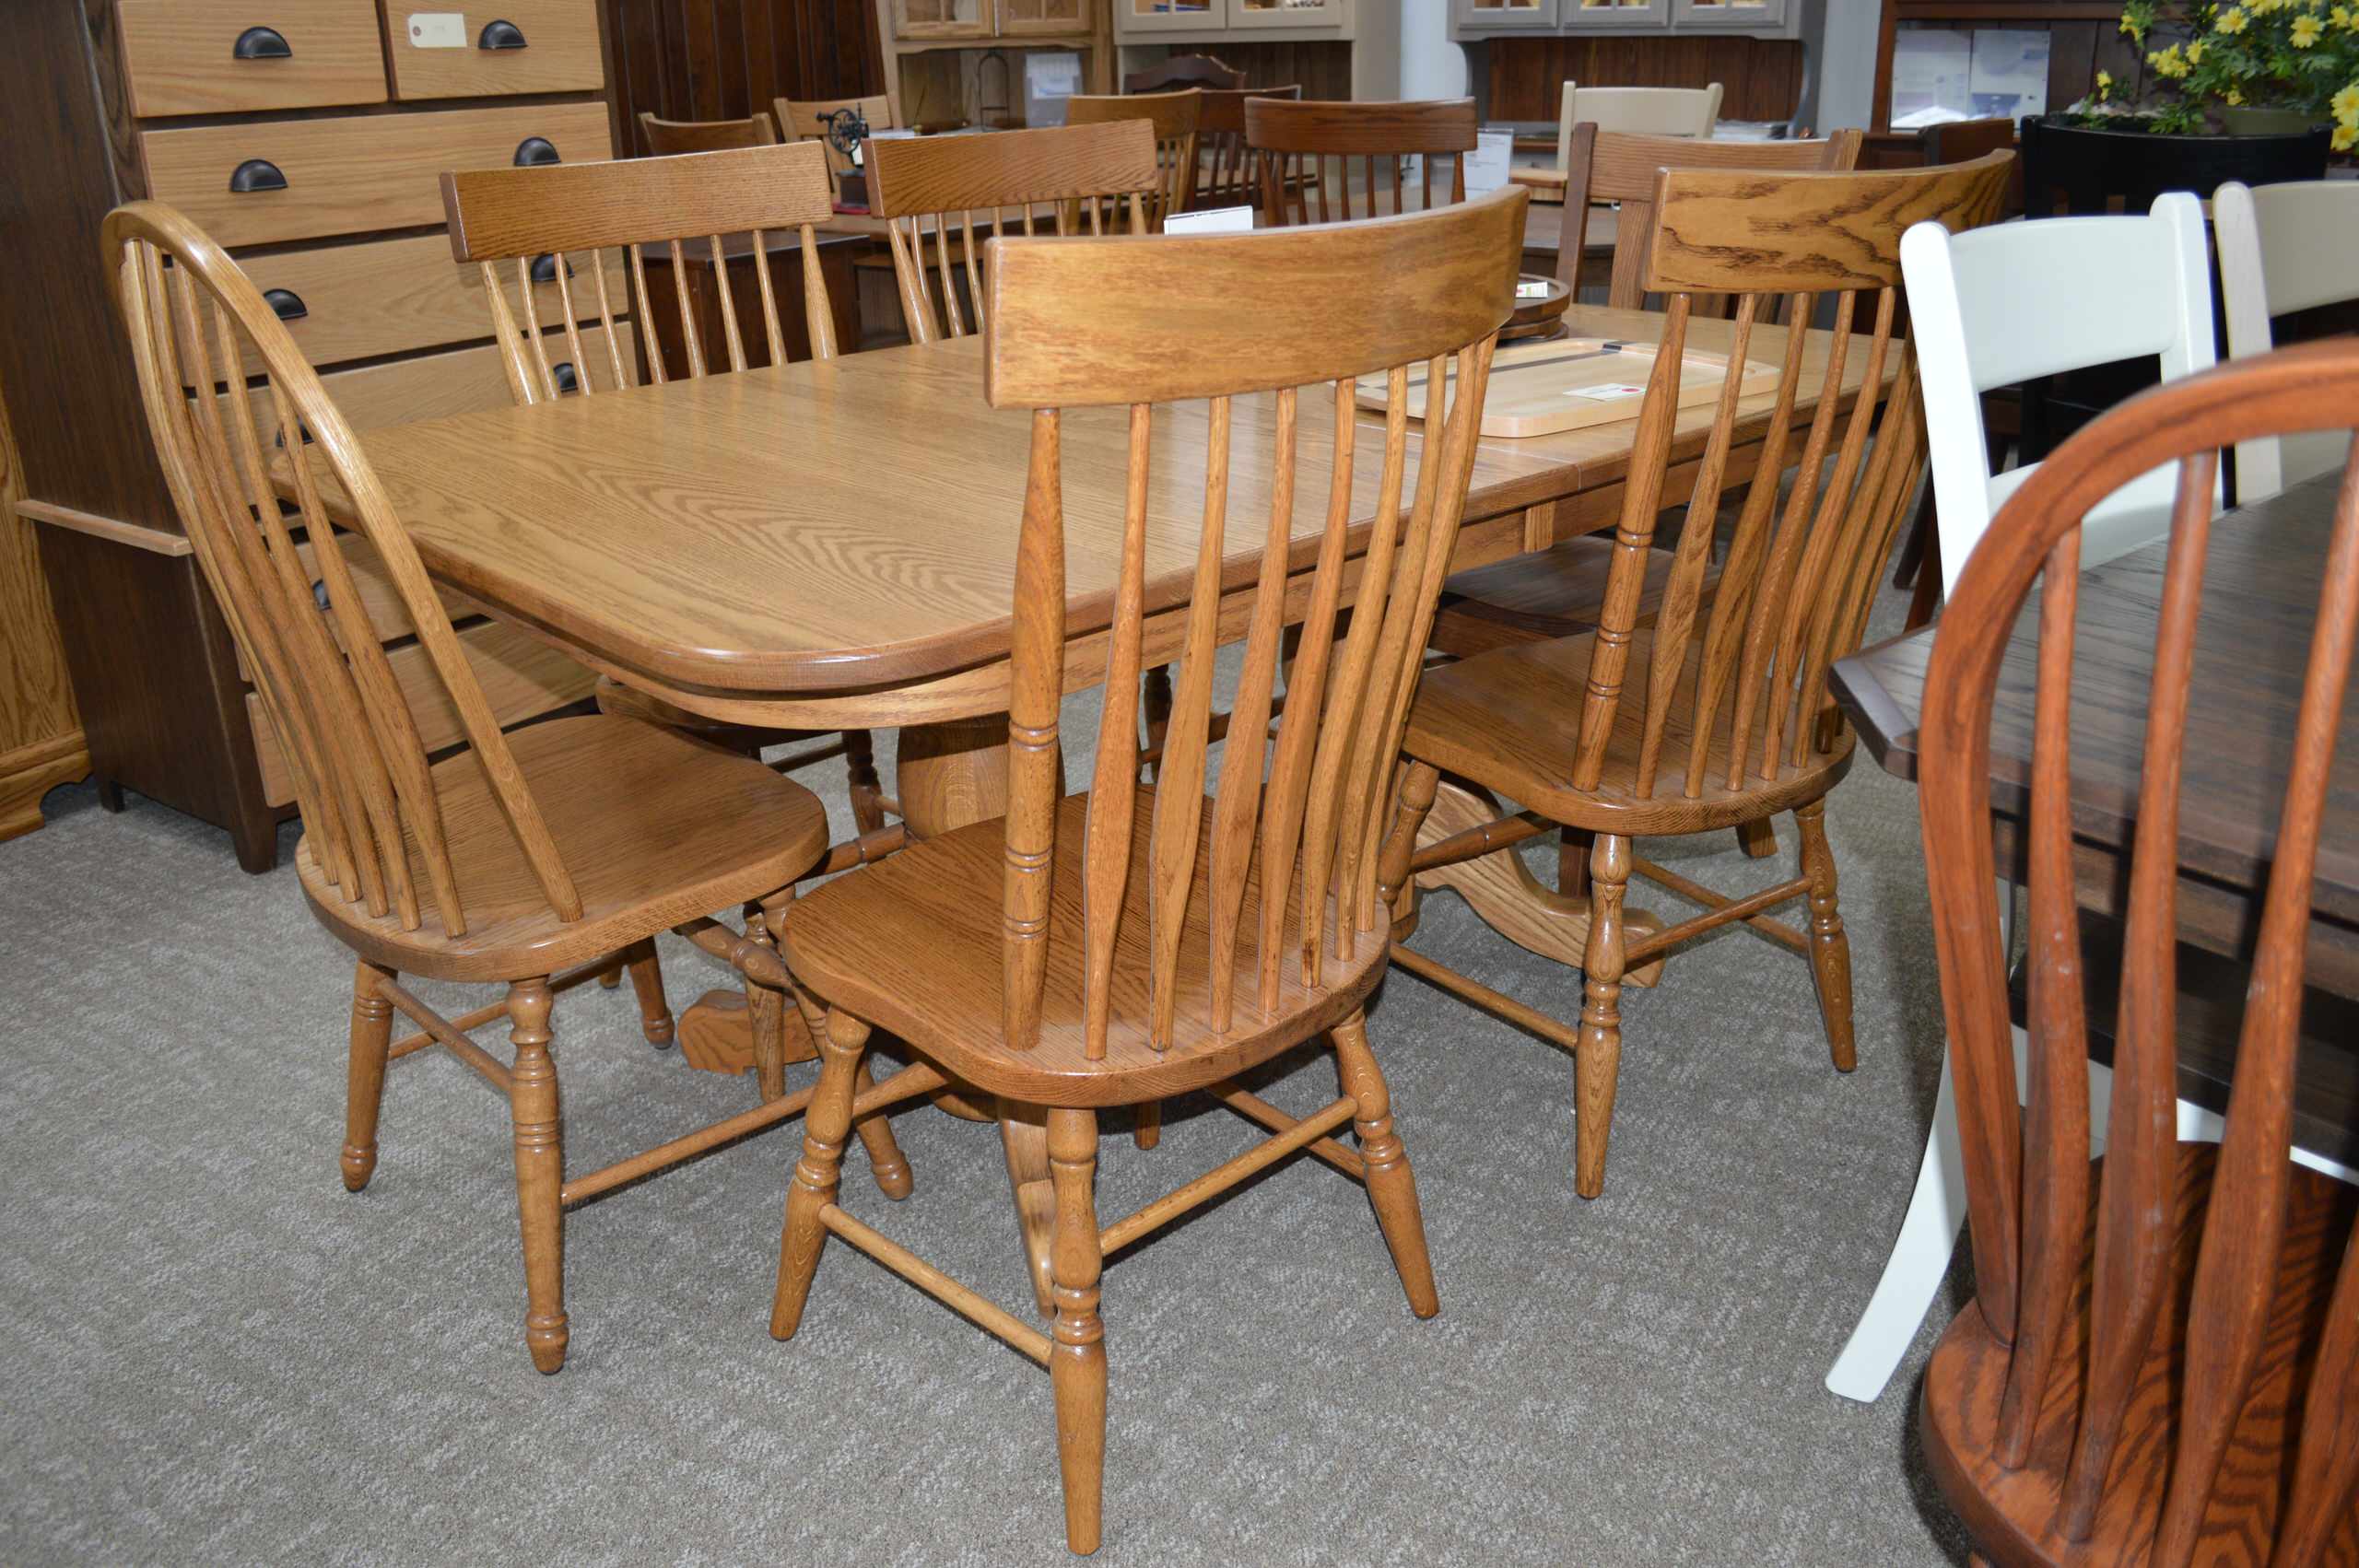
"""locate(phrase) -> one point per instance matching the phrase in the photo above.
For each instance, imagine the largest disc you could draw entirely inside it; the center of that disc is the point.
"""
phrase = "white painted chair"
(1990, 307)
(1653, 112)
(2282, 249)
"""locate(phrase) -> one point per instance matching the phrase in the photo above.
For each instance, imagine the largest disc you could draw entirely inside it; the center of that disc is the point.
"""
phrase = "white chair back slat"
(1648, 112)
(2282, 249)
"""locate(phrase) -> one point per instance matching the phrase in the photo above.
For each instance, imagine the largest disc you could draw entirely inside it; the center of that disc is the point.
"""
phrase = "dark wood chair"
(1225, 176)
(1327, 161)
(1184, 71)
(562, 844)
(1716, 715)
(607, 216)
(2161, 1362)
(670, 139)
(1174, 116)
(1116, 947)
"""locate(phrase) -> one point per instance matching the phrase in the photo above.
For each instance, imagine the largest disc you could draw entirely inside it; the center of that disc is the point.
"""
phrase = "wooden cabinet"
(309, 140)
(1332, 47)
(962, 61)
(41, 733)
(1473, 20)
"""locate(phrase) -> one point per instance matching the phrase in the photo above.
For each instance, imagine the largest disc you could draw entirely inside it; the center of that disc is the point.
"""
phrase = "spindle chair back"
(674, 139)
(2162, 1362)
(805, 120)
(1310, 151)
(2284, 249)
(1174, 116)
(1707, 715)
(921, 185)
(1225, 175)
(507, 215)
(1185, 71)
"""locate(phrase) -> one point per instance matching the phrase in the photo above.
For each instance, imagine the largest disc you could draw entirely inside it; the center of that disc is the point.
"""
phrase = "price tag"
(438, 29)
(1211, 220)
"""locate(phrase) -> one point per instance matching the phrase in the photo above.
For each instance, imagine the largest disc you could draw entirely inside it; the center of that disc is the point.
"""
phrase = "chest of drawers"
(307, 137)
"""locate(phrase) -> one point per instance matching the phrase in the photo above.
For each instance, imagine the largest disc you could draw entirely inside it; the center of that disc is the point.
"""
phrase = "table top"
(1543, 226)
(851, 525)
(2252, 643)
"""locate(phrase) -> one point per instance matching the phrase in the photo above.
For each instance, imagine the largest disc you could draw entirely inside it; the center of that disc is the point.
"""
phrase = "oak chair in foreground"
(1326, 161)
(918, 186)
(2161, 1362)
(1116, 947)
(540, 221)
(562, 844)
(1724, 720)
(1176, 117)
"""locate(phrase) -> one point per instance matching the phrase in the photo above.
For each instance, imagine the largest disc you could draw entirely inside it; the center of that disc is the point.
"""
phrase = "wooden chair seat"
(1560, 592)
(2014, 1513)
(1501, 719)
(656, 828)
(936, 905)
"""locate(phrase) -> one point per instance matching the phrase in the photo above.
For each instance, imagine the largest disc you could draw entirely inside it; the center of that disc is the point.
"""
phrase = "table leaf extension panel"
(307, 137)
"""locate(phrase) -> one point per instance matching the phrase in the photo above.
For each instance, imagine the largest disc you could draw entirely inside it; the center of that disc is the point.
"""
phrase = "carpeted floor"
(212, 1353)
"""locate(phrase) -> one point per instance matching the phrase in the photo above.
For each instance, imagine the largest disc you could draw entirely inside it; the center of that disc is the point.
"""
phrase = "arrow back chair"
(1325, 161)
(2161, 1362)
(562, 844)
(1177, 118)
(1714, 716)
(1140, 941)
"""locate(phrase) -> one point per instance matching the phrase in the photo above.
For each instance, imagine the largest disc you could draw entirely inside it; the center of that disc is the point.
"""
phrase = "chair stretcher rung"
(1719, 914)
(1220, 1179)
(976, 1310)
(1254, 1109)
(1483, 997)
(410, 1043)
(494, 1071)
(1697, 893)
(769, 1114)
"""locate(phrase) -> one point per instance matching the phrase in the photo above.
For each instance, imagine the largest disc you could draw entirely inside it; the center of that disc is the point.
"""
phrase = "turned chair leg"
(867, 791)
(1573, 848)
(1392, 1188)
(1149, 1131)
(540, 1171)
(1417, 789)
(647, 979)
(1077, 1358)
(1597, 1060)
(886, 1161)
(1757, 839)
(766, 1018)
(842, 1045)
(364, 1084)
(1830, 949)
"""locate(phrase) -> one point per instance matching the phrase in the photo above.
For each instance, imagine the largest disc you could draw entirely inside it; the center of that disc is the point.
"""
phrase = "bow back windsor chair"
(921, 185)
(1311, 148)
(1225, 176)
(1176, 117)
(1115, 947)
(2161, 1362)
(695, 208)
(560, 844)
(1715, 715)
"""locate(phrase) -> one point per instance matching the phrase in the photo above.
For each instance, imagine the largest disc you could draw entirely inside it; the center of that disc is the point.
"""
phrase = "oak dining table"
(832, 545)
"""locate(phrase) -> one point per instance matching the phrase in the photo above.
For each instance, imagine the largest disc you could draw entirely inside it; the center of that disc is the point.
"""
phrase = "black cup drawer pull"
(256, 174)
(533, 151)
(545, 268)
(500, 35)
(567, 381)
(285, 304)
(261, 43)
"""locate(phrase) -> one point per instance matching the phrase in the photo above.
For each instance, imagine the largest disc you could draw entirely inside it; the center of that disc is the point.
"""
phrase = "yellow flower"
(2168, 64)
(2306, 31)
(2341, 16)
(2345, 104)
(2343, 137)
(2195, 52)
(2129, 25)
(2232, 21)
(2234, 97)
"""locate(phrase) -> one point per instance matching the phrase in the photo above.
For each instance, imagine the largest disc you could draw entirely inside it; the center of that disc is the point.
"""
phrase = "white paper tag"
(1606, 391)
(1486, 166)
(1532, 288)
(438, 29)
(1211, 220)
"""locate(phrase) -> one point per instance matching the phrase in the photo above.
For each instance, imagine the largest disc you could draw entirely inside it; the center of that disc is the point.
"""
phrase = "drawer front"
(359, 302)
(560, 52)
(344, 176)
(215, 56)
(522, 677)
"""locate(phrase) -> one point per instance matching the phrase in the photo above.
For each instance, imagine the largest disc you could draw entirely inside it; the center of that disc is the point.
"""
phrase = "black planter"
(2070, 168)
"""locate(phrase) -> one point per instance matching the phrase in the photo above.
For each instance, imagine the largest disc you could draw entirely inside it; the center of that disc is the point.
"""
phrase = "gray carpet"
(212, 1353)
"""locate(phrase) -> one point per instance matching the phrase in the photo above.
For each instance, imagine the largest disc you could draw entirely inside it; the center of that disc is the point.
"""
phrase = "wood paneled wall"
(723, 59)
(1760, 79)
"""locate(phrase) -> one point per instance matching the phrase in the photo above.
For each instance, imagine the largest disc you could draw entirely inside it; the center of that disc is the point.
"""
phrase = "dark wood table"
(2252, 642)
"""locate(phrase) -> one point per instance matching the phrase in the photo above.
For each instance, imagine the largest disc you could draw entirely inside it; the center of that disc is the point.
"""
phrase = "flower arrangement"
(2296, 54)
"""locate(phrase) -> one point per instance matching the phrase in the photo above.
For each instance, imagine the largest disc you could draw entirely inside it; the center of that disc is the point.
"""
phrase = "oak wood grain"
(561, 53)
(178, 55)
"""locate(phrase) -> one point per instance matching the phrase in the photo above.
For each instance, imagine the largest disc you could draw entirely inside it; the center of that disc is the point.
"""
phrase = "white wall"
(1431, 66)
(1844, 66)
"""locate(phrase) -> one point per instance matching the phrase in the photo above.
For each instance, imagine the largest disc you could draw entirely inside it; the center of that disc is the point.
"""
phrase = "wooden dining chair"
(695, 207)
(1226, 174)
(674, 139)
(1715, 715)
(806, 120)
(561, 844)
(2284, 249)
(1175, 117)
(1647, 112)
(1310, 149)
(2161, 1361)
(1114, 947)
(933, 187)
(1185, 71)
